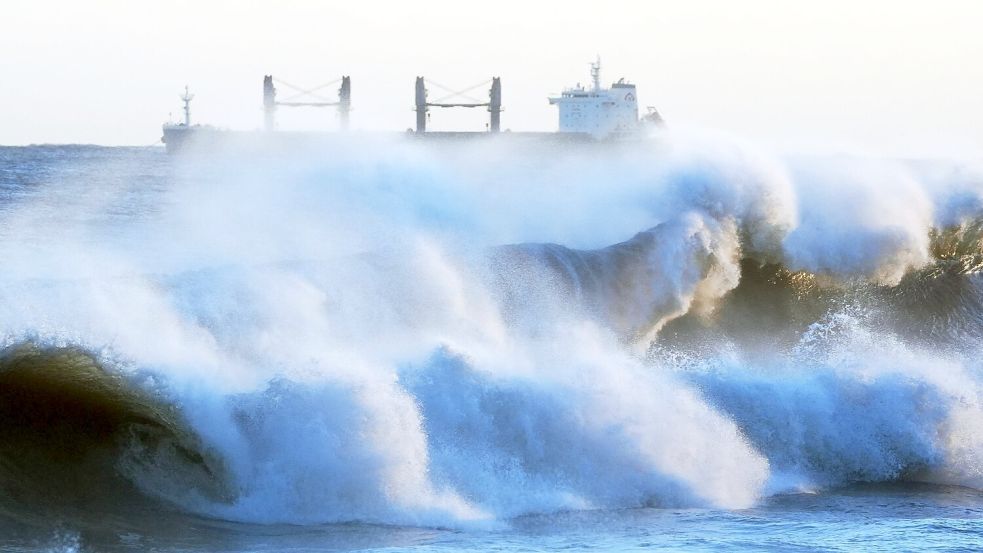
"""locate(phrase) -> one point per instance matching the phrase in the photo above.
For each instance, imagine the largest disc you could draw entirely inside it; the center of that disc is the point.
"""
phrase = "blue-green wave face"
(458, 335)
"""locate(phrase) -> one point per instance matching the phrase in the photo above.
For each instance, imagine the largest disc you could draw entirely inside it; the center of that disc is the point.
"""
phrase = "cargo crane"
(494, 103)
(304, 97)
(587, 114)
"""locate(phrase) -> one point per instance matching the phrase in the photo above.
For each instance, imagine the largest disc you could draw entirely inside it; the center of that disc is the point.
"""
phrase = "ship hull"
(183, 139)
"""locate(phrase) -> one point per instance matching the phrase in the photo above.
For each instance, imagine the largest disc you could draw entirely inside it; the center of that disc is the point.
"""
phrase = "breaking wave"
(451, 335)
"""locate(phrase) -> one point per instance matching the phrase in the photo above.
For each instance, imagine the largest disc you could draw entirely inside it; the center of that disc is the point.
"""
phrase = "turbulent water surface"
(680, 343)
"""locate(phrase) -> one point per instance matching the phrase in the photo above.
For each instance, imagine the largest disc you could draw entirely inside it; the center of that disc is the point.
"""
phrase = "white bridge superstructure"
(600, 112)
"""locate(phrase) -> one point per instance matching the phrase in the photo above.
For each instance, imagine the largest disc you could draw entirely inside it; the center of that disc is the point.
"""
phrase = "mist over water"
(456, 335)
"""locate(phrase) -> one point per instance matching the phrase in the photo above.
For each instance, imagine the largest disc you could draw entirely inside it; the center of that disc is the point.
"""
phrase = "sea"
(367, 343)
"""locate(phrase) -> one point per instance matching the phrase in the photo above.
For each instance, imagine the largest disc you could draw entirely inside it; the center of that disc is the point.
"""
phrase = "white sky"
(876, 77)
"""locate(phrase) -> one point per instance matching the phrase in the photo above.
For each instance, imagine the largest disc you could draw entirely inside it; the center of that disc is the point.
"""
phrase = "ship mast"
(186, 98)
(595, 73)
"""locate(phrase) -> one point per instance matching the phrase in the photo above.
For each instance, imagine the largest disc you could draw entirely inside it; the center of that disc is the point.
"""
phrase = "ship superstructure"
(178, 135)
(597, 111)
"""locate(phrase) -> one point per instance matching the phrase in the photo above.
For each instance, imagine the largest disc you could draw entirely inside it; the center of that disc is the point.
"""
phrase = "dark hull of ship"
(182, 139)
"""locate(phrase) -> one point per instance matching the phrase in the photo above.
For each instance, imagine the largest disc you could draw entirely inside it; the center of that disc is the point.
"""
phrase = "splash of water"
(452, 335)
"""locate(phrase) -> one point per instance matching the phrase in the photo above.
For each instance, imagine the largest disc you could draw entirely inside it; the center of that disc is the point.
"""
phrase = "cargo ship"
(586, 114)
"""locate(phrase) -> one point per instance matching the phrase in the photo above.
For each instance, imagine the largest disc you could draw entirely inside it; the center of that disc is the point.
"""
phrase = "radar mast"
(595, 73)
(186, 98)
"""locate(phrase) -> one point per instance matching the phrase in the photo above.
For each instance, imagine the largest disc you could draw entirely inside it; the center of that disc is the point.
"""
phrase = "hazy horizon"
(881, 78)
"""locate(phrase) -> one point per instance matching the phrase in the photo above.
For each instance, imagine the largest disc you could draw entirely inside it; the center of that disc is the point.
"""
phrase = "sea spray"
(436, 336)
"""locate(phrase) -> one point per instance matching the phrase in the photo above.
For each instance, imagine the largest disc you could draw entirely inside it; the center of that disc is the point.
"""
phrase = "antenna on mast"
(186, 98)
(595, 73)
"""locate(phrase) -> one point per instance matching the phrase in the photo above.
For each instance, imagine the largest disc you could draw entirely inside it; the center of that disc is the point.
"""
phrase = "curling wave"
(76, 435)
(693, 325)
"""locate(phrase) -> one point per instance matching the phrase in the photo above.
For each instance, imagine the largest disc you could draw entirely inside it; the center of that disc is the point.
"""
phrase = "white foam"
(331, 327)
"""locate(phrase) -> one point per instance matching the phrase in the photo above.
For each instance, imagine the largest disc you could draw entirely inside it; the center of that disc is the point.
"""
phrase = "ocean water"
(379, 344)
